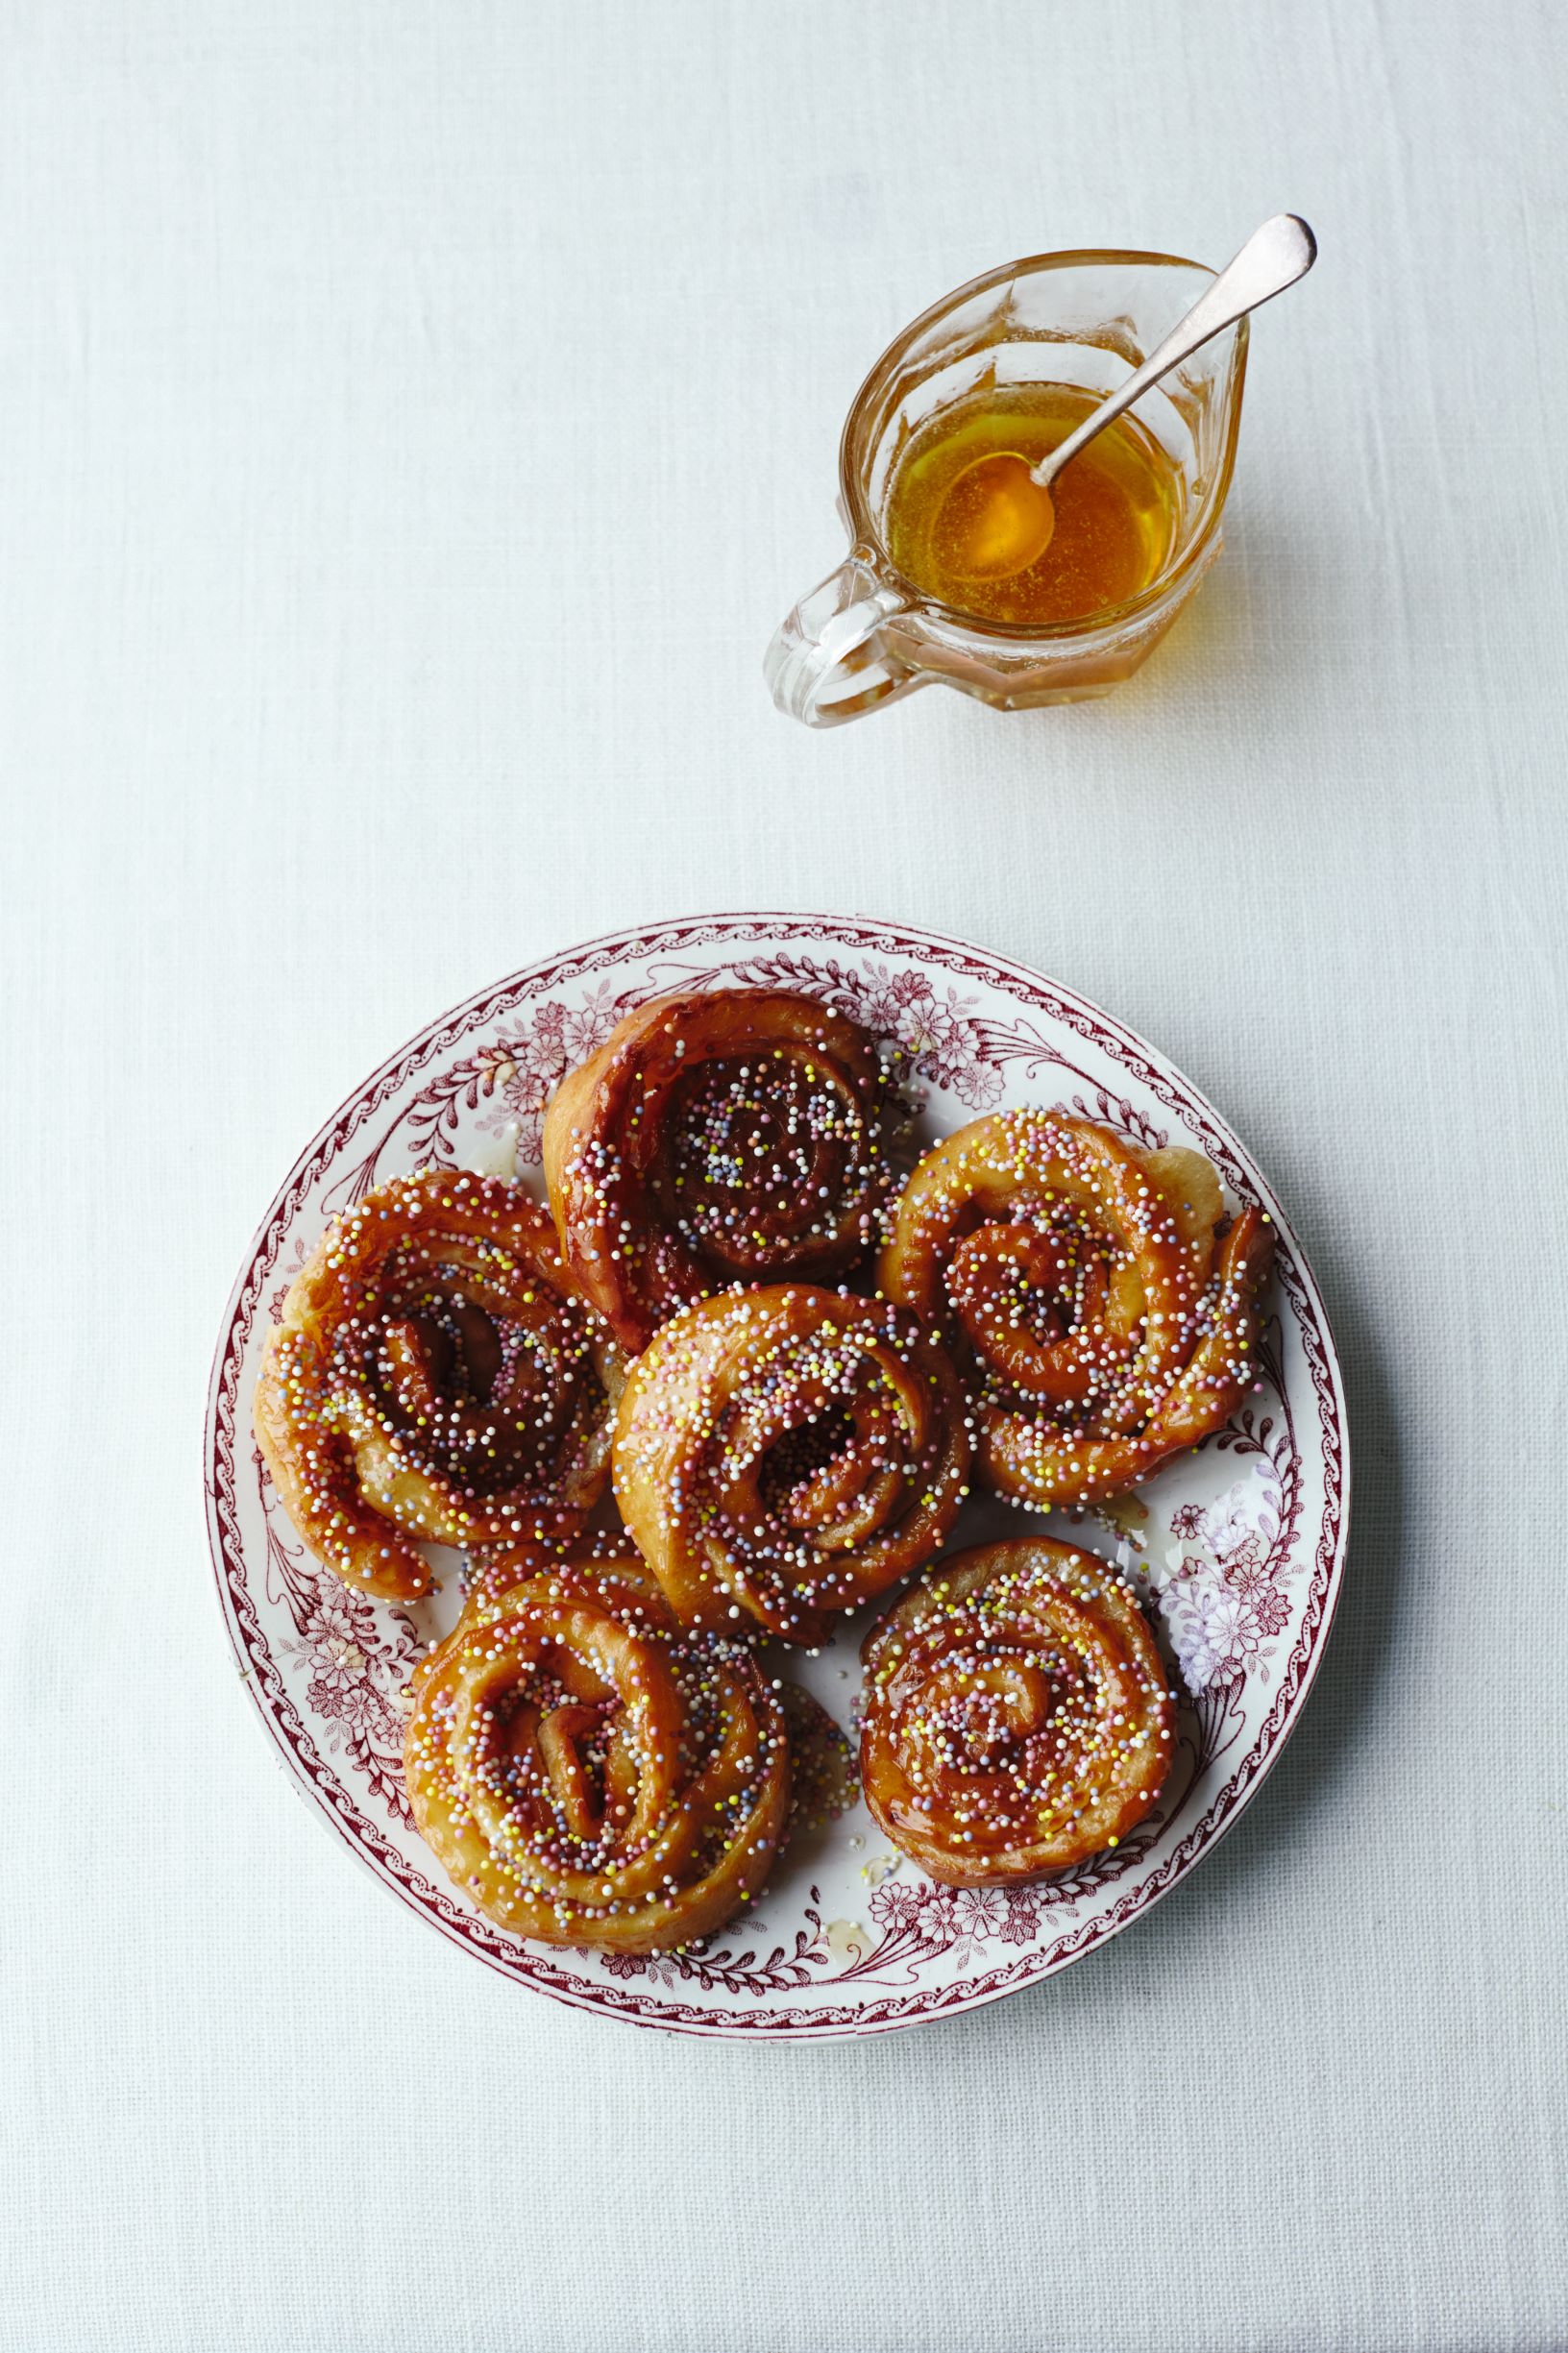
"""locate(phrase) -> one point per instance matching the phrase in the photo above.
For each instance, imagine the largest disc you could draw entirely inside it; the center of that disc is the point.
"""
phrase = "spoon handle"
(1272, 259)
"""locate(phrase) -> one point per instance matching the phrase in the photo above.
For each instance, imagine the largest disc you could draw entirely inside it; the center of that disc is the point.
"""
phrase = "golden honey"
(1117, 505)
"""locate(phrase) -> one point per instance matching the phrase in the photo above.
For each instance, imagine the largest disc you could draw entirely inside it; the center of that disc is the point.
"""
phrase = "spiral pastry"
(1016, 1716)
(715, 1136)
(786, 1454)
(435, 1376)
(1087, 1285)
(589, 1773)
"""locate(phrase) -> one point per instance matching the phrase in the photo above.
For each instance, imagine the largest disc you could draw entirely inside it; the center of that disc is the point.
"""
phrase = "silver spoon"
(1011, 500)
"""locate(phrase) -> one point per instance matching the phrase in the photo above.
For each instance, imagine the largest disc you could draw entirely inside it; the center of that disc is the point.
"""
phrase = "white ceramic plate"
(1238, 1559)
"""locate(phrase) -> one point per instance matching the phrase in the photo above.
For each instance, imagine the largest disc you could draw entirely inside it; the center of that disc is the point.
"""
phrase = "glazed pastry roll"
(1017, 1717)
(716, 1137)
(1107, 1308)
(591, 1773)
(786, 1454)
(436, 1377)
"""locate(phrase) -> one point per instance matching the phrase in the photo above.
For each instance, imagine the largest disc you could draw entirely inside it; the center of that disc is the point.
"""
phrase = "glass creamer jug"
(867, 633)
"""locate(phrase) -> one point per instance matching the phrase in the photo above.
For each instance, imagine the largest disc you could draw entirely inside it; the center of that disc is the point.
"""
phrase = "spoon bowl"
(994, 519)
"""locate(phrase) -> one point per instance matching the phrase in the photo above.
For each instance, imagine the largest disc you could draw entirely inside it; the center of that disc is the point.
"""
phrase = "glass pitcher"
(868, 635)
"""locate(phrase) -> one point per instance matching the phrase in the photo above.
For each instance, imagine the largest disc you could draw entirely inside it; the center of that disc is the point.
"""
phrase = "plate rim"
(639, 940)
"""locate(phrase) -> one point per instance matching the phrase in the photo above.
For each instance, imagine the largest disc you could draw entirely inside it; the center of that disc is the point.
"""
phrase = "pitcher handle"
(830, 659)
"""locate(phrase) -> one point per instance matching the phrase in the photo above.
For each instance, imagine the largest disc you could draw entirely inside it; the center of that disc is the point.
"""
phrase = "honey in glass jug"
(1015, 360)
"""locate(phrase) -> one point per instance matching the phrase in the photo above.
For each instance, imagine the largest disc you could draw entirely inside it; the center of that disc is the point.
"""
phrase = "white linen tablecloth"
(414, 416)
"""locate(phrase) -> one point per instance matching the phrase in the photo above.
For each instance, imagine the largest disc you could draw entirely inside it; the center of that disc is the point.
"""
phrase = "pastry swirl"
(589, 1771)
(1016, 1716)
(435, 1376)
(716, 1137)
(786, 1454)
(1087, 1285)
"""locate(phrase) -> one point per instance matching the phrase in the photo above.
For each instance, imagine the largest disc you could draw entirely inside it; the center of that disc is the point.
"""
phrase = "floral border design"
(928, 1034)
(357, 1663)
(941, 1039)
